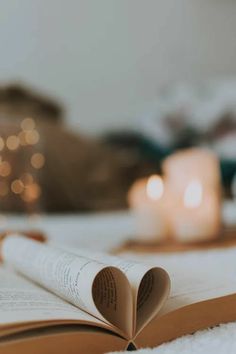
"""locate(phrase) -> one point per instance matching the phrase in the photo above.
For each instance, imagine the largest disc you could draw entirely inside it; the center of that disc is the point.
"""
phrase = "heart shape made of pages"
(153, 291)
(113, 298)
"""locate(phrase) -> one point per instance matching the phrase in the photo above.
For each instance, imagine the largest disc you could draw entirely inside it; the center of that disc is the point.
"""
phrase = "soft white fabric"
(100, 231)
(219, 340)
(105, 230)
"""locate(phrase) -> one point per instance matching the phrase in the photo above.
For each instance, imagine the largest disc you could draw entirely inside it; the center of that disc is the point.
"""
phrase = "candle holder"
(226, 239)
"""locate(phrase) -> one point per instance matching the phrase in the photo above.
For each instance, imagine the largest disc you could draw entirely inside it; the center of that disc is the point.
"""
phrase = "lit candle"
(147, 201)
(198, 218)
(193, 181)
(184, 166)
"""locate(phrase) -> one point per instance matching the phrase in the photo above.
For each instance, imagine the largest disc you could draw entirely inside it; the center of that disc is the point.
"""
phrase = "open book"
(75, 301)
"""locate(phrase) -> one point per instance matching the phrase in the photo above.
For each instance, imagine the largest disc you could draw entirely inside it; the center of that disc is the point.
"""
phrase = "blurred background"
(95, 94)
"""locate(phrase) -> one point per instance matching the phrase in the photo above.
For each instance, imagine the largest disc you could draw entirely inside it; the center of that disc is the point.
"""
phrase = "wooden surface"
(226, 239)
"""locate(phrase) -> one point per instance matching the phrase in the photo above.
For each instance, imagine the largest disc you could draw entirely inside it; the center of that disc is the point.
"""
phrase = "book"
(56, 299)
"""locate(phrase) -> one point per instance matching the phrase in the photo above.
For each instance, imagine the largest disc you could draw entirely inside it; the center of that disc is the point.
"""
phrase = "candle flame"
(155, 187)
(193, 194)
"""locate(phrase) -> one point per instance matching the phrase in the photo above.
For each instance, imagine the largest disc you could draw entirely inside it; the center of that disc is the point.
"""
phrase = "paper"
(22, 301)
(150, 285)
(102, 291)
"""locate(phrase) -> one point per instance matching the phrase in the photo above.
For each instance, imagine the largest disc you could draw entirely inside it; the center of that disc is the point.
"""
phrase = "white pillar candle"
(147, 201)
(189, 164)
(198, 217)
(193, 182)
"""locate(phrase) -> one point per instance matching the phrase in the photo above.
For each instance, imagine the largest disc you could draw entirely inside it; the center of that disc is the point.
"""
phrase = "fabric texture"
(220, 340)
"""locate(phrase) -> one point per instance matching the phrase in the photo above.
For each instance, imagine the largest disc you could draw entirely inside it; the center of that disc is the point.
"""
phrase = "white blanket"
(219, 340)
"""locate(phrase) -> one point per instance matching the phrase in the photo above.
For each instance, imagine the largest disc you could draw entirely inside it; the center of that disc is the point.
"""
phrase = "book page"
(203, 293)
(200, 277)
(150, 285)
(22, 301)
(195, 276)
(101, 291)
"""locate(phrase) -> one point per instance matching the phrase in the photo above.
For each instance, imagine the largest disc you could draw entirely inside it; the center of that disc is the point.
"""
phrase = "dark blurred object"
(226, 124)
(20, 102)
(138, 146)
(228, 172)
(79, 174)
(88, 174)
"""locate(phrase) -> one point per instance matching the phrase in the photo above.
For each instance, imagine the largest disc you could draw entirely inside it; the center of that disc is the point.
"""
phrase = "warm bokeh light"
(31, 193)
(12, 142)
(37, 160)
(27, 124)
(24, 185)
(22, 138)
(5, 168)
(155, 187)
(17, 186)
(193, 194)
(2, 144)
(32, 137)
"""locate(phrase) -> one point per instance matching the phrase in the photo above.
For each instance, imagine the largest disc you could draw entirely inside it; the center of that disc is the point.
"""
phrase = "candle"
(147, 201)
(198, 218)
(193, 181)
(184, 166)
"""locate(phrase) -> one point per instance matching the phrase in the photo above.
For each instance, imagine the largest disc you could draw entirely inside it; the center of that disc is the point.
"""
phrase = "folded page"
(99, 290)
(150, 285)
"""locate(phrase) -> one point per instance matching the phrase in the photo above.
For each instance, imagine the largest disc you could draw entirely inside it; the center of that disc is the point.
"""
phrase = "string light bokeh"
(21, 164)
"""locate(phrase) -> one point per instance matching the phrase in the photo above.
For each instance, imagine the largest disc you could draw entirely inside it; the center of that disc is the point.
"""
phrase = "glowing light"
(155, 187)
(31, 193)
(17, 186)
(21, 137)
(37, 160)
(4, 189)
(5, 168)
(12, 142)
(27, 178)
(2, 144)
(31, 137)
(27, 124)
(193, 194)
